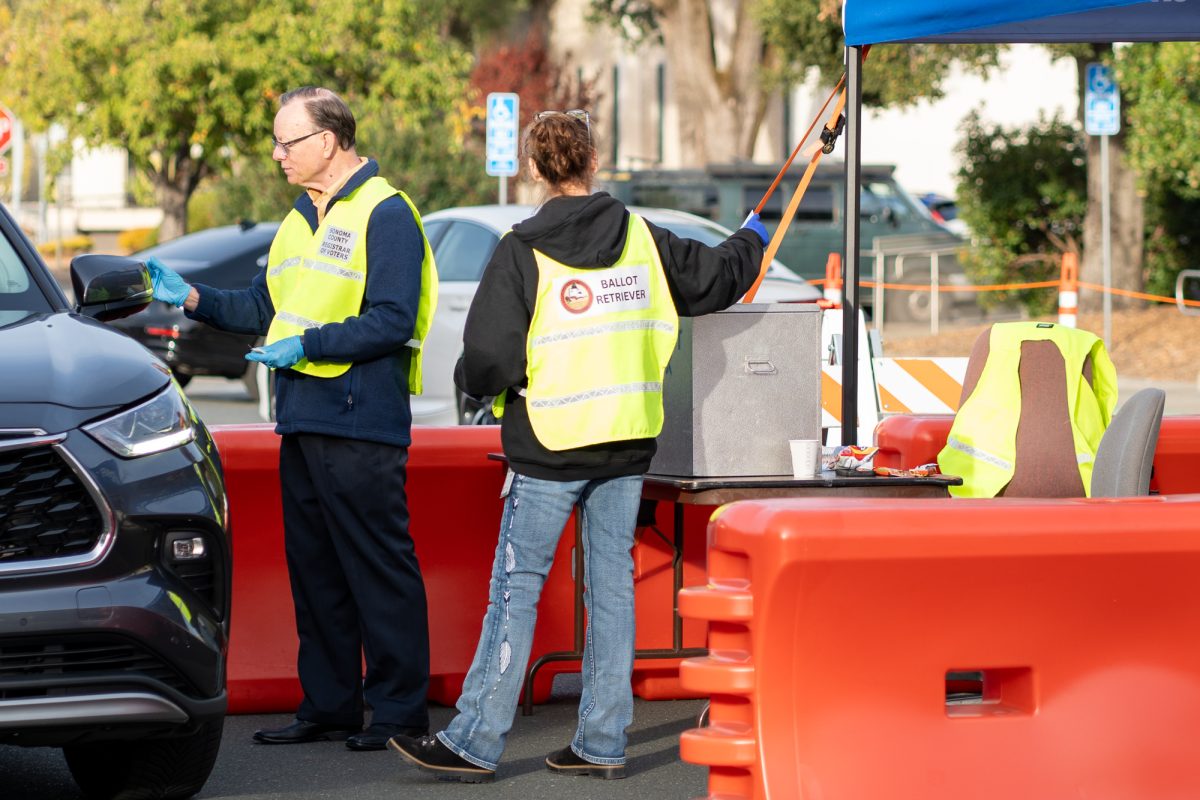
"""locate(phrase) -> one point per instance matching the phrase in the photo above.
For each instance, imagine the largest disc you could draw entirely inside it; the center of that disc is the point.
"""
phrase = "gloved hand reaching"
(168, 286)
(281, 354)
(755, 224)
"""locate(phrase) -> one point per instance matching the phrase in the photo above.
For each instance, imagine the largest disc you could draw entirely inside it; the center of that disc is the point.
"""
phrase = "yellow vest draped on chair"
(981, 446)
(598, 346)
(318, 277)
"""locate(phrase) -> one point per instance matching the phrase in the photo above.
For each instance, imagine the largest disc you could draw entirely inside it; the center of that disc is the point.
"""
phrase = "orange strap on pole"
(775, 183)
(828, 137)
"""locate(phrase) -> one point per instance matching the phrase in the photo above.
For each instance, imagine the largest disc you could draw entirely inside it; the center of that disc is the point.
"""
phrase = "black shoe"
(566, 762)
(376, 736)
(302, 731)
(430, 755)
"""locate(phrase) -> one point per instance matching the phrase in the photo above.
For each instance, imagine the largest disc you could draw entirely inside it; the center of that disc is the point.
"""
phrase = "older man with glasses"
(344, 301)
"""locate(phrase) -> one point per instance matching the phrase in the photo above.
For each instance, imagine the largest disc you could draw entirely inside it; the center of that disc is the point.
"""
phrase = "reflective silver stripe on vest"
(317, 266)
(296, 319)
(287, 263)
(1083, 458)
(592, 394)
(982, 455)
(415, 344)
(610, 327)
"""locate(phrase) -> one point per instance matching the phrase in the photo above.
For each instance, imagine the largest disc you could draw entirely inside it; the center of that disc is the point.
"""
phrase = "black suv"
(114, 548)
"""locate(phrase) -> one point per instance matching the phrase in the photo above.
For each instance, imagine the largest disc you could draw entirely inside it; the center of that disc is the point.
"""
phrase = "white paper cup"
(805, 453)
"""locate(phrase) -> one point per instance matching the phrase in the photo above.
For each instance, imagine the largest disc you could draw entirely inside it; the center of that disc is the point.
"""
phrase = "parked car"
(114, 549)
(227, 257)
(725, 193)
(463, 240)
(944, 210)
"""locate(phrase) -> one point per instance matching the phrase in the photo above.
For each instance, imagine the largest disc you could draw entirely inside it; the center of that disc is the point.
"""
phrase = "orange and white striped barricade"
(910, 385)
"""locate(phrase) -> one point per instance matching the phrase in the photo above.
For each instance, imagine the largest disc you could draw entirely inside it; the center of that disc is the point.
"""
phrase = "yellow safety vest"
(981, 446)
(318, 277)
(598, 346)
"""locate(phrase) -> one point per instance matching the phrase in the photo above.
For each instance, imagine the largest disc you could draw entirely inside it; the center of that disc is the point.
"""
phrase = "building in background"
(92, 196)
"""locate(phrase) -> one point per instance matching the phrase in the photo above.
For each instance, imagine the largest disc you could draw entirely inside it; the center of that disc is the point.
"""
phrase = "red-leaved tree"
(527, 69)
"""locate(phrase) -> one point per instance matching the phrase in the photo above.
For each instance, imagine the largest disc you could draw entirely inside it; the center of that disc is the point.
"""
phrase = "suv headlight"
(160, 423)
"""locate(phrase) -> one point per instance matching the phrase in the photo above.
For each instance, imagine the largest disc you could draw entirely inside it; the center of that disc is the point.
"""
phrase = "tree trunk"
(720, 105)
(1127, 225)
(173, 200)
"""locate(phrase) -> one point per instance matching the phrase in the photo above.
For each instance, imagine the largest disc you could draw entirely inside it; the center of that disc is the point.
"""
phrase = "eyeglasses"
(574, 113)
(287, 146)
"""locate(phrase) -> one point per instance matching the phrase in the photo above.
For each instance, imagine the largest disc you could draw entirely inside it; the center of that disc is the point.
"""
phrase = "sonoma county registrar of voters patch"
(338, 244)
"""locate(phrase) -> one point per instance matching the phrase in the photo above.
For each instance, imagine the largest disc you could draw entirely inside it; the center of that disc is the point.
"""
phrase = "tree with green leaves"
(1160, 86)
(189, 87)
(1023, 191)
(724, 56)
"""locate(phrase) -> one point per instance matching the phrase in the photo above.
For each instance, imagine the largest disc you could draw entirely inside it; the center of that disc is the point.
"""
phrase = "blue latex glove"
(755, 224)
(281, 355)
(168, 286)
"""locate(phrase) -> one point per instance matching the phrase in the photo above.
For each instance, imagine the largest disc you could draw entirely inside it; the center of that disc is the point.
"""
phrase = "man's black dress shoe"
(376, 736)
(302, 731)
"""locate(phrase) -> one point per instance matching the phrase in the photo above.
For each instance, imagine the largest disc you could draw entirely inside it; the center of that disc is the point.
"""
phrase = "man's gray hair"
(328, 111)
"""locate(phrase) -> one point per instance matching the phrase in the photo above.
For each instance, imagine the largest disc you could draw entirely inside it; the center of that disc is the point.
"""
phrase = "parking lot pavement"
(326, 770)
(221, 401)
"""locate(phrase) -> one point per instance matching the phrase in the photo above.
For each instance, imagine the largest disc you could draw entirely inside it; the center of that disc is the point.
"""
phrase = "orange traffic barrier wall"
(906, 440)
(930, 649)
(455, 505)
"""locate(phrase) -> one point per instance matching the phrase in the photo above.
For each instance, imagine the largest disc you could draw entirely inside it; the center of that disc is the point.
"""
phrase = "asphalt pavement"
(249, 771)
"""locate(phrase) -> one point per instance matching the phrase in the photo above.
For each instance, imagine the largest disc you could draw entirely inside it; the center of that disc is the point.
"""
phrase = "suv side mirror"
(110, 287)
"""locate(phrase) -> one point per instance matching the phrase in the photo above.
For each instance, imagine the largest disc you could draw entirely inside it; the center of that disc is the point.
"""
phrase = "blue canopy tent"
(867, 22)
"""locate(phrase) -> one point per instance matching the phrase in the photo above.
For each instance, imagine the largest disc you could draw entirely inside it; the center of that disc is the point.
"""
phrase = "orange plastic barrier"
(839, 641)
(906, 440)
(454, 500)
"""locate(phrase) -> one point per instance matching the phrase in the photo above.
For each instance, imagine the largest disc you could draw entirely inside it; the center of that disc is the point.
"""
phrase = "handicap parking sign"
(503, 116)
(1101, 102)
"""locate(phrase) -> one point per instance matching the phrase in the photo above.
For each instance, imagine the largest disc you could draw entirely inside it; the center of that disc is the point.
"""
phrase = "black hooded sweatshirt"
(582, 232)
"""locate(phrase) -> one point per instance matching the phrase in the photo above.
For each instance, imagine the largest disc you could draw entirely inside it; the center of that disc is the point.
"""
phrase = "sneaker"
(566, 762)
(430, 755)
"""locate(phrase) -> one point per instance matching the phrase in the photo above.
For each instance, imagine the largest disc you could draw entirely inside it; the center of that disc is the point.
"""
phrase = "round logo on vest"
(576, 296)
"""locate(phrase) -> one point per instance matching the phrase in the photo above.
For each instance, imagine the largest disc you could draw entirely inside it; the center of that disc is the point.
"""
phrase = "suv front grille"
(44, 664)
(45, 510)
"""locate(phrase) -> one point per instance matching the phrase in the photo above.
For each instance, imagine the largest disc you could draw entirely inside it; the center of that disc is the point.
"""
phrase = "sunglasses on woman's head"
(574, 113)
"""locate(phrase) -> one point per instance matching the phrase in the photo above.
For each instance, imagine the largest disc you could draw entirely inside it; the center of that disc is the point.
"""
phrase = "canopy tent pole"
(850, 273)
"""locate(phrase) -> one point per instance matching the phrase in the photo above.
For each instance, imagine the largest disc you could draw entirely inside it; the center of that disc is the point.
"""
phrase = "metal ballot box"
(741, 383)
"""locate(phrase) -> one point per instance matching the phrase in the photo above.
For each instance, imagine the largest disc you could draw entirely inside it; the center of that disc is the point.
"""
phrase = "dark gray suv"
(114, 547)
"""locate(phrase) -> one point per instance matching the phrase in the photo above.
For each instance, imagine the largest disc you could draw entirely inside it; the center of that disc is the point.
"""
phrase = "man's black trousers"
(356, 584)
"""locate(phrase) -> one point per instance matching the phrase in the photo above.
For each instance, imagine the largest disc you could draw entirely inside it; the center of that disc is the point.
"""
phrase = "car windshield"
(20, 297)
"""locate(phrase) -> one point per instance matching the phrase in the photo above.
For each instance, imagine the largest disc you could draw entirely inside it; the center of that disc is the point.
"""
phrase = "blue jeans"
(534, 515)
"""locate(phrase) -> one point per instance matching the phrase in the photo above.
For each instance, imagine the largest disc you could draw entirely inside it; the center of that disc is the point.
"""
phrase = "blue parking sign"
(503, 117)
(1101, 102)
